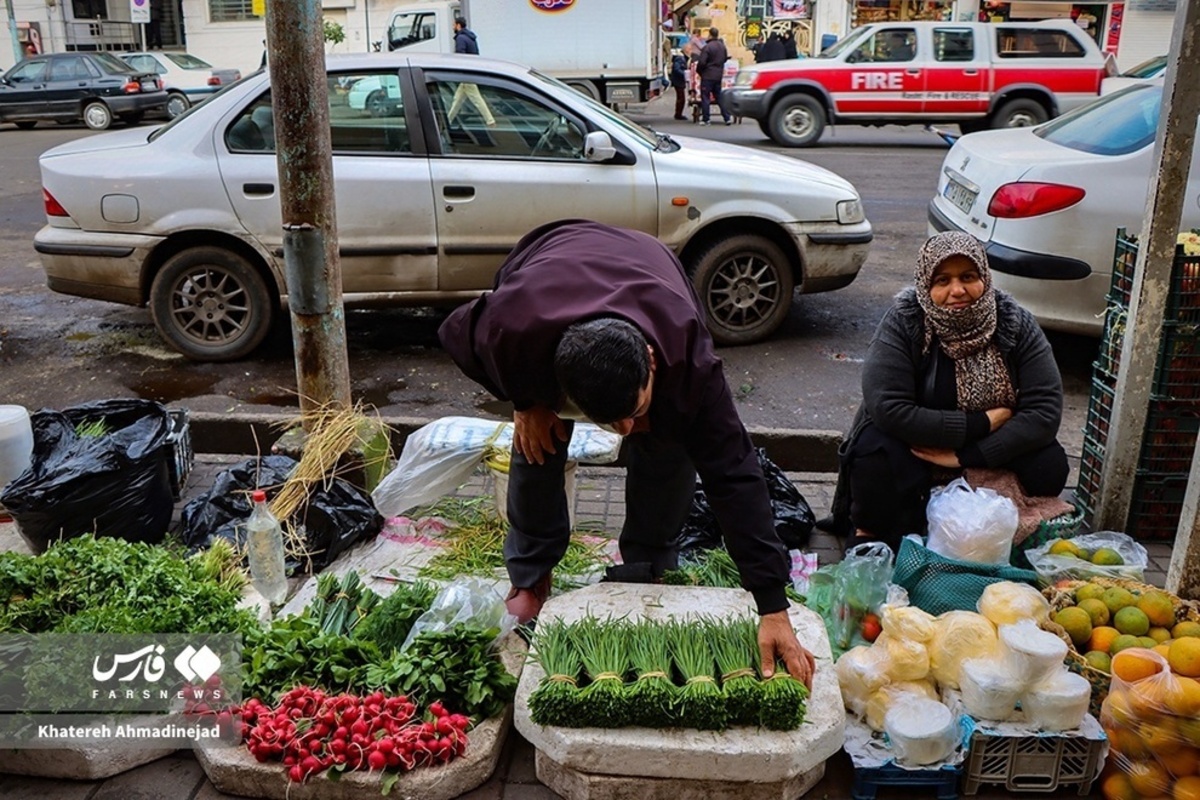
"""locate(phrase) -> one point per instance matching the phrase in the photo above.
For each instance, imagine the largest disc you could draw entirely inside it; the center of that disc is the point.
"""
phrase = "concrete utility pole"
(300, 102)
(1152, 274)
(12, 32)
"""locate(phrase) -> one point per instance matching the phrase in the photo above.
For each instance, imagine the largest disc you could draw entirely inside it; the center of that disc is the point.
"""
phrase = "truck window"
(953, 44)
(1012, 42)
(890, 45)
(411, 28)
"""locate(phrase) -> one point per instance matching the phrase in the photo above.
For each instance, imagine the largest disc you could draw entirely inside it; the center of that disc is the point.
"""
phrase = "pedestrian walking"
(711, 67)
(466, 42)
(678, 77)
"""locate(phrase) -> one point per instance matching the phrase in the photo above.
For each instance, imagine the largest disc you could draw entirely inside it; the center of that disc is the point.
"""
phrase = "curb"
(794, 450)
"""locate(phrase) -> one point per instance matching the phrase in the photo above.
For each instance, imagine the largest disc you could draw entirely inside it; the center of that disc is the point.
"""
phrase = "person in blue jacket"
(465, 40)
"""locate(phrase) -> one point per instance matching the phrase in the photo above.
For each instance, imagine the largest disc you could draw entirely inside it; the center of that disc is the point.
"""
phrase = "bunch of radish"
(311, 731)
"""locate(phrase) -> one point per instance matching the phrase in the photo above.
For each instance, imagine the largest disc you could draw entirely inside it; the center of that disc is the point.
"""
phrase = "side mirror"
(598, 147)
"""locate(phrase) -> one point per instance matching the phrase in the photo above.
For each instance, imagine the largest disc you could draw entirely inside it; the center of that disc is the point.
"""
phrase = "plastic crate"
(1090, 463)
(1099, 412)
(1157, 506)
(869, 780)
(1177, 369)
(1032, 764)
(183, 457)
(1171, 428)
(1109, 358)
(1183, 301)
(1124, 261)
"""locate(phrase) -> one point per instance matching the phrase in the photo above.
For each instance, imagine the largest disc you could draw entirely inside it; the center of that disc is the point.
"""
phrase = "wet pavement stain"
(173, 386)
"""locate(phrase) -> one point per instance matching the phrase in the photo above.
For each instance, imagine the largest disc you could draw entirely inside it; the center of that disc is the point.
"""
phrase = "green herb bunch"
(735, 645)
(341, 605)
(602, 648)
(701, 702)
(705, 568)
(652, 696)
(782, 701)
(388, 624)
(294, 651)
(556, 699)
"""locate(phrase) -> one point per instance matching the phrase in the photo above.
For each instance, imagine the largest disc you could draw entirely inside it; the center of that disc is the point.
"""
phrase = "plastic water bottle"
(264, 543)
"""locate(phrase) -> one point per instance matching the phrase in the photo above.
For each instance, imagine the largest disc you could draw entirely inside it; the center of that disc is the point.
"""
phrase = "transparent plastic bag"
(429, 468)
(989, 690)
(1030, 654)
(885, 698)
(1007, 602)
(468, 601)
(860, 586)
(969, 524)
(921, 731)
(958, 636)
(1052, 568)
(907, 660)
(1058, 703)
(861, 672)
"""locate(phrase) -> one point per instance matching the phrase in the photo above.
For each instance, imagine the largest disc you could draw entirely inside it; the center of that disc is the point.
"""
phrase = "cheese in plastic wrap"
(957, 636)
(881, 702)
(861, 672)
(921, 731)
(907, 622)
(989, 690)
(1058, 703)
(906, 660)
(1006, 603)
(1031, 653)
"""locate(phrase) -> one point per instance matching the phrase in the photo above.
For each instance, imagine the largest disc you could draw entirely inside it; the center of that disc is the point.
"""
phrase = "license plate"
(959, 195)
(149, 86)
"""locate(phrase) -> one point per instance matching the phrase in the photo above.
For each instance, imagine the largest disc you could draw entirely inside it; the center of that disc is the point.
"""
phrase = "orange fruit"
(1189, 729)
(1183, 697)
(1149, 778)
(1148, 700)
(1161, 736)
(1126, 742)
(1186, 788)
(1158, 608)
(1184, 629)
(1118, 787)
(1163, 650)
(1180, 762)
(1135, 664)
(1184, 657)
(1159, 635)
(1119, 709)
(1102, 638)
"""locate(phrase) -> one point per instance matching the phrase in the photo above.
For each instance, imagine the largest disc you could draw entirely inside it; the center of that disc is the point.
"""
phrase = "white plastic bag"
(1030, 653)
(971, 524)
(466, 601)
(1053, 568)
(921, 731)
(989, 690)
(1058, 703)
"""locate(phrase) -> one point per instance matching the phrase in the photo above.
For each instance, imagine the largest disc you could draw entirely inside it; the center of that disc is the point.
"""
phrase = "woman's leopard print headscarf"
(967, 335)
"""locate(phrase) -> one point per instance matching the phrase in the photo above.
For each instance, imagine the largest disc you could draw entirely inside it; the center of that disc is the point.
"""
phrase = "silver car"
(433, 190)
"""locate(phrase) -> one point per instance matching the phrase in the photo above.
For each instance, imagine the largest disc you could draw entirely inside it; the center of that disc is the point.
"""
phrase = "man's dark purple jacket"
(574, 270)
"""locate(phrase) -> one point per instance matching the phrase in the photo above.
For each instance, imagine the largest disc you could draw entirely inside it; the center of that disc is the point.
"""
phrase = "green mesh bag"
(937, 584)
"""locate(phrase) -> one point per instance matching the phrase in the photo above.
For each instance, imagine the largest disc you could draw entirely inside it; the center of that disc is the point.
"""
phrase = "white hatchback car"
(1047, 202)
(431, 196)
(187, 79)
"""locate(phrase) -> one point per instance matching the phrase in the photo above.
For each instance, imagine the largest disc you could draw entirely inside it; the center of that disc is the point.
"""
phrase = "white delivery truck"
(611, 50)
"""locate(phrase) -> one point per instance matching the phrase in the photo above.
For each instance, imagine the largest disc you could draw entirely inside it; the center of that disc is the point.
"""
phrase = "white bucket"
(16, 443)
(500, 486)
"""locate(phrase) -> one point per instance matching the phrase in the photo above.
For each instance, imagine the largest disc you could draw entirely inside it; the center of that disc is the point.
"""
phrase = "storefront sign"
(1113, 39)
(790, 9)
(552, 5)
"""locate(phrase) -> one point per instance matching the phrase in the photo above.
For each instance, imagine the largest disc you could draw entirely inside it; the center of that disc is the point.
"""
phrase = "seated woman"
(958, 375)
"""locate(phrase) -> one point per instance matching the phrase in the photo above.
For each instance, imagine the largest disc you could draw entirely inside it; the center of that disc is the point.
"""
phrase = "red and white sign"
(552, 5)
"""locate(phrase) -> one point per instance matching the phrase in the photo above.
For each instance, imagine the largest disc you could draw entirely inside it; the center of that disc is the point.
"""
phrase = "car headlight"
(850, 212)
(745, 78)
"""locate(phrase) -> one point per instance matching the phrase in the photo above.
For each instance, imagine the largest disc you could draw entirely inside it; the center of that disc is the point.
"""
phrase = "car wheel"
(97, 116)
(1019, 113)
(745, 286)
(797, 121)
(177, 103)
(211, 305)
(133, 118)
(377, 103)
(26, 124)
(765, 127)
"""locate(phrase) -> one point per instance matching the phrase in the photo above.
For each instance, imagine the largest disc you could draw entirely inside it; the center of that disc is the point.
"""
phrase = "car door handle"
(970, 72)
(258, 188)
(458, 192)
(913, 71)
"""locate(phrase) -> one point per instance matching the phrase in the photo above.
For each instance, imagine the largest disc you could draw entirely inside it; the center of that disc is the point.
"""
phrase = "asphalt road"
(57, 351)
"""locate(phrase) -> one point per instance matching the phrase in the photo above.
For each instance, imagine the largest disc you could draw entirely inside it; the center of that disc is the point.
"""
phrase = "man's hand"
(777, 641)
(998, 416)
(935, 455)
(535, 432)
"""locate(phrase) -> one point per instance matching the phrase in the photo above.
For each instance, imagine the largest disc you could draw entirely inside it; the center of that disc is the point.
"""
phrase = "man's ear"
(653, 363)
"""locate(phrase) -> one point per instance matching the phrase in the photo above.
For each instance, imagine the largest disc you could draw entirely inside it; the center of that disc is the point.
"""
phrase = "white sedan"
(433, 190)
(1146, 71)
(1047, 202)
(187, 79)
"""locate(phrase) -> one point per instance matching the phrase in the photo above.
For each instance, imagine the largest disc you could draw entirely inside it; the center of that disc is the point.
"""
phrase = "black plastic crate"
(1028, 764)
(1099, 412)
(183, 457)
(1109, 358)
(1177, 369)
(1183, 302)
(1157, 506)
(1089, 476)
(1124, 261)
(1170, 439)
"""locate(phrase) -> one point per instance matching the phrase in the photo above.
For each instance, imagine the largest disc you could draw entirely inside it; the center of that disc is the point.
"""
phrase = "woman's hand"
(535, 431)
(998, 416)
(937, 455)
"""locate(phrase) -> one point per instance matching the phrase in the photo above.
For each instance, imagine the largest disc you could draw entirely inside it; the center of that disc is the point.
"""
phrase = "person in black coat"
(789, 44)
(770, 50)
(711, 67)
(679, 82)
(464, 38)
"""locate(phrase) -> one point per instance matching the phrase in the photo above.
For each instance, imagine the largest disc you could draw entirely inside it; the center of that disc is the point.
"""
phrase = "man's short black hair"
(714, 33)
(602, 364)
(459, 22)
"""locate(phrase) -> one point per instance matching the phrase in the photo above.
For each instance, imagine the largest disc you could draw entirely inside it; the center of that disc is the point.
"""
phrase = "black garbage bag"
(336, 516)
(794, 518)
(102, 467)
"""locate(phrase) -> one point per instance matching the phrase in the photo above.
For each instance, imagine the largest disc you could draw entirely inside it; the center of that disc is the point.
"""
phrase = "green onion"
(556, 699)
(735, 645)
(701, 703)
(651, 697)
(782, 701)
(92, 429)
(603, 652)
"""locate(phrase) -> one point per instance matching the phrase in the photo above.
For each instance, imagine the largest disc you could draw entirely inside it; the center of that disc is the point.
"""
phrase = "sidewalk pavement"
(600, 498)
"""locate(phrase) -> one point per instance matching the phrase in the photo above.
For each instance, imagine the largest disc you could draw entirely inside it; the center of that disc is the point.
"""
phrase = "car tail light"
(1027, 199)
(213, 80)
(132, 87)
(53, 207)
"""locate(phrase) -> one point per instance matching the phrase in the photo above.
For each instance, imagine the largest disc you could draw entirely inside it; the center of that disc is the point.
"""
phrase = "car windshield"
(837, 48)
(185, 61)
(1121, 123)
(111, 64)
(1148, 69)
(647, 136)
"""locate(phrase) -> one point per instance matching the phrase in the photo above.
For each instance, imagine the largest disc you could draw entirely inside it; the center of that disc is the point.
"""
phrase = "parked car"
(187, 79)
(68, 87)
(978, 75)
(431, 196)
(1047, 202)
(1146, 71)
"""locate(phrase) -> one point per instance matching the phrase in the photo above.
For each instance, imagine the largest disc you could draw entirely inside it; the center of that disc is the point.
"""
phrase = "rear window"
(111, 64)
(1148, 69)
(1016, 42)
(1121, 123)
(186, 61)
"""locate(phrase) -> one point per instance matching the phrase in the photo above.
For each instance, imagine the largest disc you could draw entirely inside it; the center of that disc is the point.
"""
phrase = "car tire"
(26, 124)
(177, 103)
(97, 116)
(797, 120)
(377, 103)
(745, 287)
(133, 118)
(764, 126)
(1020, 113)
(210, 304)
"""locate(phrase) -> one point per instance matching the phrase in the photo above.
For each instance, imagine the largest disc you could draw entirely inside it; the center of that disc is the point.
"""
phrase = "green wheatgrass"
(652, 696)
(556, 699)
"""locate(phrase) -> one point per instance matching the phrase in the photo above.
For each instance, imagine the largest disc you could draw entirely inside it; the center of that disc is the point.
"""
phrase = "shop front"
(1093, 18)
(865, 12)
